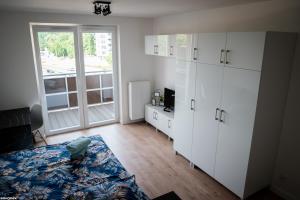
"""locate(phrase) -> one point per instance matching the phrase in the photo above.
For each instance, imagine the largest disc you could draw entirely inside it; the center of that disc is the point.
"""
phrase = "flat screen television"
(169, 99)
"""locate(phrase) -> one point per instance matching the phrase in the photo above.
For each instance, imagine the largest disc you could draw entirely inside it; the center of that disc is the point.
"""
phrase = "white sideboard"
(160, 119)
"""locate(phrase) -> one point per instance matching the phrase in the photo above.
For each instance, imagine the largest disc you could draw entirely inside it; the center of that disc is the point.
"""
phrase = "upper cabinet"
(171, 46)
(245, 50)
(180, 46)
(211, 48)
(242, 50)
(157, 45)
(150, 47)
(162, 45)
(186, 47)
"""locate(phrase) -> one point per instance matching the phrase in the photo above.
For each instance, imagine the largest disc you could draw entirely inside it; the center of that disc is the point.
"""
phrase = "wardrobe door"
(245, 50)
(239, 99)
(208, 99)
(184, 107)
(211, 48)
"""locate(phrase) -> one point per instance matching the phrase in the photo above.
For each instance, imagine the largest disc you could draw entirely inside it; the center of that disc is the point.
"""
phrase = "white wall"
(287, 175)
(164, 72)
(18, 86)
(275, 15)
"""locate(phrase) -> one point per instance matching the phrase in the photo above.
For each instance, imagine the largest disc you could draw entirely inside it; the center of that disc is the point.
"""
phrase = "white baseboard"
(282, 193)
(132, 121)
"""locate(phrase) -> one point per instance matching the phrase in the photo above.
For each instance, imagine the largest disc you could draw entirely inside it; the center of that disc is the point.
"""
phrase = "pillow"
(78, 147)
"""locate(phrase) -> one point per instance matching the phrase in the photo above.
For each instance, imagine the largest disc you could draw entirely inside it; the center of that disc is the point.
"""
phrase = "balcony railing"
(62, 93)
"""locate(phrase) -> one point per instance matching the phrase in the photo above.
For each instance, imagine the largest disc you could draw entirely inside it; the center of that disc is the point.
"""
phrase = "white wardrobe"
(230, 97)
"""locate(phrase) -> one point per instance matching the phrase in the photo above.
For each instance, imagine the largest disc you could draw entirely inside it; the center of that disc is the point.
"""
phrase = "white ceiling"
(133, 8)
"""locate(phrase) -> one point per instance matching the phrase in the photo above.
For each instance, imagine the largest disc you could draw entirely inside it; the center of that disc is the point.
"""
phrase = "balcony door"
(77, 76)
(100, 77)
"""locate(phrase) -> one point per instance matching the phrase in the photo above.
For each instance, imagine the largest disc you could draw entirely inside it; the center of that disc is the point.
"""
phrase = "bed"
(48, 173)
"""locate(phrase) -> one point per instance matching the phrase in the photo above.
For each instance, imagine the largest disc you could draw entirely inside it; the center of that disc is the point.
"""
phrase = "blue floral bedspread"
(48, 173)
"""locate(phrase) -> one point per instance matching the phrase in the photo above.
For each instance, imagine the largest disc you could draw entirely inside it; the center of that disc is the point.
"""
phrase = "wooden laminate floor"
(149, 155)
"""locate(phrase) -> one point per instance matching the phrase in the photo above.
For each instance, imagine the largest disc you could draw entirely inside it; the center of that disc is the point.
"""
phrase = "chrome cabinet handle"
(153, 115)
(171, 50)
(154, 49)
(156, 115)
(226, 56)
(169, 125)
(195, 55)
(192, 104)
(216, 114)
(221, 116)
(221, 56)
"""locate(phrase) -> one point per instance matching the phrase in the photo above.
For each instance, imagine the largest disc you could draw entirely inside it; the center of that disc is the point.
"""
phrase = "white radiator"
(139, 96)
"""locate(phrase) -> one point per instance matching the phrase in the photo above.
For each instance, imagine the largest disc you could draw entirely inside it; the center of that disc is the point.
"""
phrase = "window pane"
(106, 80)
(72, 84)
(57, 52)
(92, 82)
(97, 48)
(93, 97)
(73, 100)
(107, 95)
(57, 102)
(55, 85)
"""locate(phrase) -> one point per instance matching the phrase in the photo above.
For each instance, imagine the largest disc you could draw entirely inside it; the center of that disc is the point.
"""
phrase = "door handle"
(195, 55)
(221, 56)
(221, 116)
(216, 114)
(226, 56)
(192, 104)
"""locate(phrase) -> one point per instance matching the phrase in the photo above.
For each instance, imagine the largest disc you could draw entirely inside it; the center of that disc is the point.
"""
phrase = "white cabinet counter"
(160, 119)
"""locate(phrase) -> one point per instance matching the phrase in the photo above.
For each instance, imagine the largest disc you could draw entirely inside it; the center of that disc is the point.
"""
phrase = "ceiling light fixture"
(102, 7)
